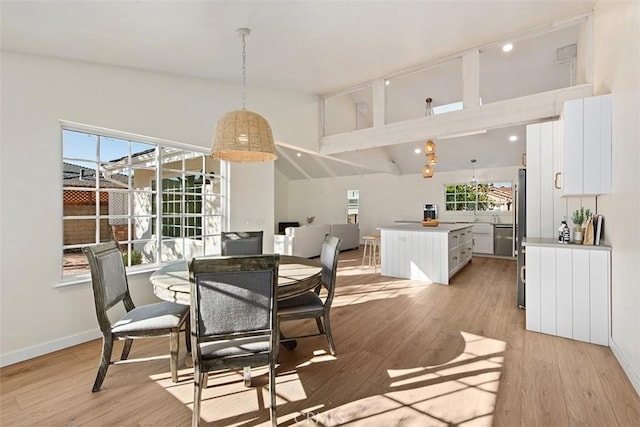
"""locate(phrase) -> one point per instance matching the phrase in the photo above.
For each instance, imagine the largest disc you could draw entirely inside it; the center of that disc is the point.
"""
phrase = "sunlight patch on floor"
(461, 391)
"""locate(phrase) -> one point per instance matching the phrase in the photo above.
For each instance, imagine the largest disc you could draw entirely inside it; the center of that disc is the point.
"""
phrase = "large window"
(160, 202)
(493, 196)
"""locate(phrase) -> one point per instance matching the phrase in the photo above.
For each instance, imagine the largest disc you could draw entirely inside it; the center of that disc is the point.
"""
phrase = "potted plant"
(136, 258)
(578, 218)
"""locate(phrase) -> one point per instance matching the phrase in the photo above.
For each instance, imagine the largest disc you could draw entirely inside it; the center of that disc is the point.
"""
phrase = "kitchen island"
(430, 254)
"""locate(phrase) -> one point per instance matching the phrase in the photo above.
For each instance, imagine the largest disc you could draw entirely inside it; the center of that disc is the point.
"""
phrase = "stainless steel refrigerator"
(521, 232)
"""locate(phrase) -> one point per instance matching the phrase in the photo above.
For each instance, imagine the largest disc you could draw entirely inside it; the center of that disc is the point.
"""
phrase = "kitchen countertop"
(441, 228)
(410, 221)
(553, 243)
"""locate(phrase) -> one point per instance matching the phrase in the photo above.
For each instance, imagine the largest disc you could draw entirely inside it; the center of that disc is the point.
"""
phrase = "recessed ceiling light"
(386, 82)
(513, 138)
(507, 47)
(417, 151)
(298, 154)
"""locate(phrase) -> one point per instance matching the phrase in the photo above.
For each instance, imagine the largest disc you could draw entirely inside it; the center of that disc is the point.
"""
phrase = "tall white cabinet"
(586, 166)
(545, 207)
(568, 290)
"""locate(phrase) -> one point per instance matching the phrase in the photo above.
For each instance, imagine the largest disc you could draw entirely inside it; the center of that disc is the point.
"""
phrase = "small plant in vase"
(579, 216)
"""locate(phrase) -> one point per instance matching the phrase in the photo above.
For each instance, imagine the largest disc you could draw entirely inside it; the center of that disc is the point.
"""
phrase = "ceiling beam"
(366, 161)
(511, 112)
(295, 164)
(360, 162)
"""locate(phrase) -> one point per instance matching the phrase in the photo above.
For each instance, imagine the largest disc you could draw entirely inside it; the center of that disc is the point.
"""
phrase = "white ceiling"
(314, 47)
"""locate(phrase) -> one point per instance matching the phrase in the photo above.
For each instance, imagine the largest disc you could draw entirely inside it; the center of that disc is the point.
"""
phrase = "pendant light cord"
(244, 69)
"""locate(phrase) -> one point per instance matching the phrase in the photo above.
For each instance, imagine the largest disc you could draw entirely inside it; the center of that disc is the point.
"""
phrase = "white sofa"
(306, 241)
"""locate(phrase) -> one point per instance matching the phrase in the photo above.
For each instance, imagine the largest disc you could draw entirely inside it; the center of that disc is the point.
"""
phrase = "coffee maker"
(430, 211)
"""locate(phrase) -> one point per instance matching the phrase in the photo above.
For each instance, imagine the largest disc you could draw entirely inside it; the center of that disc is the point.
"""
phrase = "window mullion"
(183, 186)
(159, 219)
(96, 189)
(130, 193)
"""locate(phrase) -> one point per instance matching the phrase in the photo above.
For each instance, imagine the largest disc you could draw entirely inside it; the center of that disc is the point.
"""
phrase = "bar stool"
(371, 252)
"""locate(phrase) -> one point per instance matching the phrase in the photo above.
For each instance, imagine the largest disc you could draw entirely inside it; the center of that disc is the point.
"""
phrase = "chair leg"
(187, 332)
(105, 361)
(126, 349)
(364, 252)
(247, 376)
(205, 380)
(199, 378)
(320, 327)
(327, 326)
(174, 342)
(272, 393)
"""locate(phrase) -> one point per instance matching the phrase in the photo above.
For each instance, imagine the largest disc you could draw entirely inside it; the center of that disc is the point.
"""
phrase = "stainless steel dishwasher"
(503, 240)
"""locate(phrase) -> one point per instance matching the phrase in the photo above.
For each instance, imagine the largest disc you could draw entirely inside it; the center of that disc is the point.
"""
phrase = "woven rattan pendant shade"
(243, 136)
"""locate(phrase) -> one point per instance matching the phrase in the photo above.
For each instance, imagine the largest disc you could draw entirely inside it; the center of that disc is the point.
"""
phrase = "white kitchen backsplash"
(492, 217)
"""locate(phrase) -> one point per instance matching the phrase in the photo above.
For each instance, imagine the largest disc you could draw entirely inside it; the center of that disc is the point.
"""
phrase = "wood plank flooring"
(409, 354)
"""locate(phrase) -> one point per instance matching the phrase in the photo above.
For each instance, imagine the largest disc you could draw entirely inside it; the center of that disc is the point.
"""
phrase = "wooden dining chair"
(241, 242)
(110, 287)
(310, 305)
(233, 319)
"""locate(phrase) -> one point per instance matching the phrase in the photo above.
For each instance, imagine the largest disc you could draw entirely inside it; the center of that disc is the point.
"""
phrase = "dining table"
(296, 275)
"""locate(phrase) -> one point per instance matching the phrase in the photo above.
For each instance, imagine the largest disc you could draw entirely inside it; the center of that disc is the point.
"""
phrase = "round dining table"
(296, 276)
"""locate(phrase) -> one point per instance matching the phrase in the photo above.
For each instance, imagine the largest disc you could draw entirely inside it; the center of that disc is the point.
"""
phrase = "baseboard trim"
(626, 366)
(48, 347)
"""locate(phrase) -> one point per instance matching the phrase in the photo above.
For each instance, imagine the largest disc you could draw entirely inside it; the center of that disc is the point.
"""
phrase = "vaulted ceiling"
(313, 47)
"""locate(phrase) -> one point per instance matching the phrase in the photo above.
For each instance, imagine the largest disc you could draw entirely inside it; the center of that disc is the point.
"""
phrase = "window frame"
(219, 215)
(475, 203)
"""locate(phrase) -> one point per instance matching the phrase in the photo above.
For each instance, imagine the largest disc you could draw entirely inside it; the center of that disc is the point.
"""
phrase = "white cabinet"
(460, 249)
(545, 206)
(586, 166)
(483, 238)
(567, 290)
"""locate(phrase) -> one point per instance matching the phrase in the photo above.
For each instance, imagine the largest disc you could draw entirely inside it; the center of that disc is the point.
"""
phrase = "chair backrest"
(233, 297)
(109, 280)
(241, 242)
(329, 261)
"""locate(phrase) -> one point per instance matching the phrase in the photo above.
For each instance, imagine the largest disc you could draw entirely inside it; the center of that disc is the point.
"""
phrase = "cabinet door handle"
(555, 180)
(522, 273)
(524, 159)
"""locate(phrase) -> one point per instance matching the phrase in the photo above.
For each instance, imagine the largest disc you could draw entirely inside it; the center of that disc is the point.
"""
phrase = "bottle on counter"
(563, 233)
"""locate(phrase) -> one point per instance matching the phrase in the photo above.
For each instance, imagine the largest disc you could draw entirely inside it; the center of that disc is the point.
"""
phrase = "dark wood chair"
(310, 305)
(110, 287)
(241, 242)
(233, 318)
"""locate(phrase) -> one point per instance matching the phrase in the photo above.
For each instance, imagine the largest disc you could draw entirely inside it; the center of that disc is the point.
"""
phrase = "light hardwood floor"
(408, 354)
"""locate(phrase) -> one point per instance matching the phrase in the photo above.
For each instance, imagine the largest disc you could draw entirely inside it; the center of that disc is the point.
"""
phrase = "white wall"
(36, 92)
(252, 200)
(617, 70)
(280, 199)
(384, 198)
